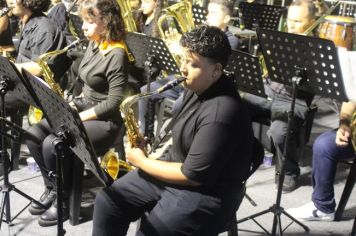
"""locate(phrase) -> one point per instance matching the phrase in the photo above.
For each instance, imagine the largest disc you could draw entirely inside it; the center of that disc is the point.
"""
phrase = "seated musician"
(301, 15)
(7, 47)
(39, 35)
(328, 149)
(104, 73)
(193, 188)
(219, 14)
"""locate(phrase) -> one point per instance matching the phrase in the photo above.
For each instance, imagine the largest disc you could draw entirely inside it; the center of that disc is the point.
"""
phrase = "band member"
(103, 71)
(6, 45)
(328, 149)
(301, 14)
(147, 17)
(198, 180)
(38, 36)
(58, 13)
(219, 14)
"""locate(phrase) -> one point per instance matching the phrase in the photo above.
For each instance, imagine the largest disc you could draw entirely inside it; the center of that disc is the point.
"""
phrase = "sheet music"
(347, 61)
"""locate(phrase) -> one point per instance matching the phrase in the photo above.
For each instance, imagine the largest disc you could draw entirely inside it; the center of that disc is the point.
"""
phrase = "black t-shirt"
(41, 35)
(212, 137)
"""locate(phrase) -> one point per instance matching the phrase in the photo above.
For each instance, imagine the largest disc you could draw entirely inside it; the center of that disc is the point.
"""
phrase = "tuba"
(35, 114)
(126, 13)
(181, 14)
(110, 162)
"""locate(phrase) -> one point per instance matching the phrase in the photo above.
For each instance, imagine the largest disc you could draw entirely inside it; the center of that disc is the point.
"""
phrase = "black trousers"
(102, 134)
(172, 210)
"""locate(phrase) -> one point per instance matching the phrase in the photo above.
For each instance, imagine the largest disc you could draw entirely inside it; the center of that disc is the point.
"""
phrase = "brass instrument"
(110, 162)
(320, 19)
(353, 130)
(126, 14)
(180, 12)
(35, 114)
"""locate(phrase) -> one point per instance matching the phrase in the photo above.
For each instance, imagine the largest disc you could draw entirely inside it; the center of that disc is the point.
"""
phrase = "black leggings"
(102, 134)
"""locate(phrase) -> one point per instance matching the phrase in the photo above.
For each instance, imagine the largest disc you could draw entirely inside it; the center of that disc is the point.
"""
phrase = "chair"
(77, 179)
(165, 107)
(349, 185)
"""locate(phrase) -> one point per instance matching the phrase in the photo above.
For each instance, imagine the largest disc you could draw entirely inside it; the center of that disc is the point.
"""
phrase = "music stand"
(260, 15)
(9, 83)
(199, 14)
(306, 63)
(247, 73)
(69, 130)
(151, 52)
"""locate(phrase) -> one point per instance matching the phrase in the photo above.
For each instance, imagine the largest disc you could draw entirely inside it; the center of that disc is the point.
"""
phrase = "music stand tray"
(247, 72)
(260, 15)
(144, 47)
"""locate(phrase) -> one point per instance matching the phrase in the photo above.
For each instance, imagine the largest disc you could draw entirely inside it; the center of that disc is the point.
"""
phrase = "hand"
(134, 156)
(343, 135)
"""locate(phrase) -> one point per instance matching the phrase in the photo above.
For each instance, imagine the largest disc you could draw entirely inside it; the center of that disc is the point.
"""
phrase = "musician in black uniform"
(193, 188)
(104, 73)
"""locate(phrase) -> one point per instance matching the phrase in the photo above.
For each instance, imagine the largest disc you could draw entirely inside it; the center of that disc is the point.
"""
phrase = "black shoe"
(290, 183)
(50, 217)
(46, 199)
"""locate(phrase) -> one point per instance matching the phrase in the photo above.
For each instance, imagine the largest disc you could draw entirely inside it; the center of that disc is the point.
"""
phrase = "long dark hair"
(140, 19)
(110, 13)
(36, 6)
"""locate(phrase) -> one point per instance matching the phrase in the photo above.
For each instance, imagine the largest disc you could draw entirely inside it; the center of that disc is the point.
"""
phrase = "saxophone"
(110, 162)
(35, 114)
(353, 130)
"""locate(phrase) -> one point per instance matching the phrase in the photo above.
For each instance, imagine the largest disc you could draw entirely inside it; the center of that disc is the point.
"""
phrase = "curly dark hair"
(110, 13)
(208, 41)
(36, 6)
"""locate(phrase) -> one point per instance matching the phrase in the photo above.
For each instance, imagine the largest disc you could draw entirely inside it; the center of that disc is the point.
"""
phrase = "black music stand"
(151, 52)
(9, 83)
(260, 15)
(305, 63)
(246, 70)
(199, 14)
(71, 134)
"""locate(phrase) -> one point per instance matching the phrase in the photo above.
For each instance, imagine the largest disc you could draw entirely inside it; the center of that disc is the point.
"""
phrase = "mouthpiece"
(5, 10)
(171, 84)
(74, 44)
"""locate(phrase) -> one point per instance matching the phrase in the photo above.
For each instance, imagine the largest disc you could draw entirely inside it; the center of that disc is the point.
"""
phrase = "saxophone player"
(193, 188)
(328, 149)
(103, 71)
(38, 36)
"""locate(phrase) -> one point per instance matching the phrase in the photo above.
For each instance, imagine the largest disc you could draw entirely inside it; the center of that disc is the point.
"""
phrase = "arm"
(4, 23)
(344, 132)
(169, 172)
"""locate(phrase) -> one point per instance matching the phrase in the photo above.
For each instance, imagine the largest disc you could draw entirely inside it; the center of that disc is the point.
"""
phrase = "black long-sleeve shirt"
(105, 78)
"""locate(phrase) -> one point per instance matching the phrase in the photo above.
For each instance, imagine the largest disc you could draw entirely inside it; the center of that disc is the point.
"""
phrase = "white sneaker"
(309, 212)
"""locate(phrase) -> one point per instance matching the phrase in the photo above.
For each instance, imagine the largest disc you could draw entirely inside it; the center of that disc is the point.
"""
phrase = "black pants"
(172, 210)
(102, 135)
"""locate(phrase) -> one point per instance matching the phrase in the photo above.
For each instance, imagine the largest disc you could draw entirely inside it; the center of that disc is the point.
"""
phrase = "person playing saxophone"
(39, 35)
(194, 187)
(103, 71)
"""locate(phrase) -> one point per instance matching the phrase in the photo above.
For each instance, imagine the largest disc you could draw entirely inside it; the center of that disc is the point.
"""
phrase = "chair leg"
(350, 183)
(353, 232)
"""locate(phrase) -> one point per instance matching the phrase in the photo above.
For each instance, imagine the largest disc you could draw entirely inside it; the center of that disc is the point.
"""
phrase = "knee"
(277, 133)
